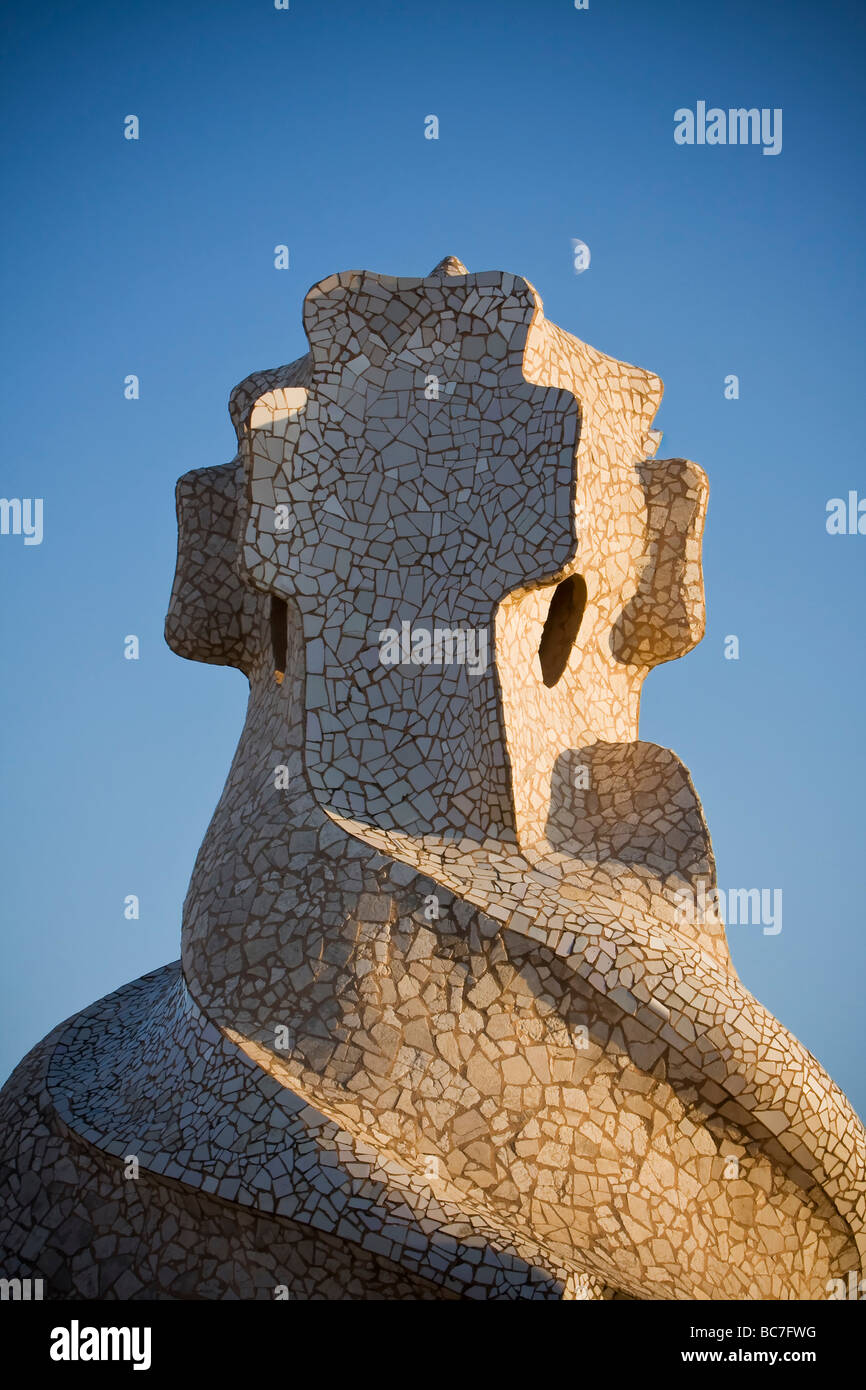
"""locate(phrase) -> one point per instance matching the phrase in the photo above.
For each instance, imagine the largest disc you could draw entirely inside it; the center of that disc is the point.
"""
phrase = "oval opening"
(561, 627)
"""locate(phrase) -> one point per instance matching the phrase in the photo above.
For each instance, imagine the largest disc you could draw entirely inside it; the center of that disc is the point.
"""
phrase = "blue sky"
(306, 127)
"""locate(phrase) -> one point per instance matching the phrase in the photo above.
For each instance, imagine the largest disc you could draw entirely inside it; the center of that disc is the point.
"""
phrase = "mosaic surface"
(441, 1028)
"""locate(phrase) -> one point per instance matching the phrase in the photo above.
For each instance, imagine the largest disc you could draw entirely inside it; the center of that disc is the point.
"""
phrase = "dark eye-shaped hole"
(561, 627)
(279, 636)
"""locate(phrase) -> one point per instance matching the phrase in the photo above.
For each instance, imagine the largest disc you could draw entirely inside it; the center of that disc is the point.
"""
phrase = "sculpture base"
(145, 1157)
